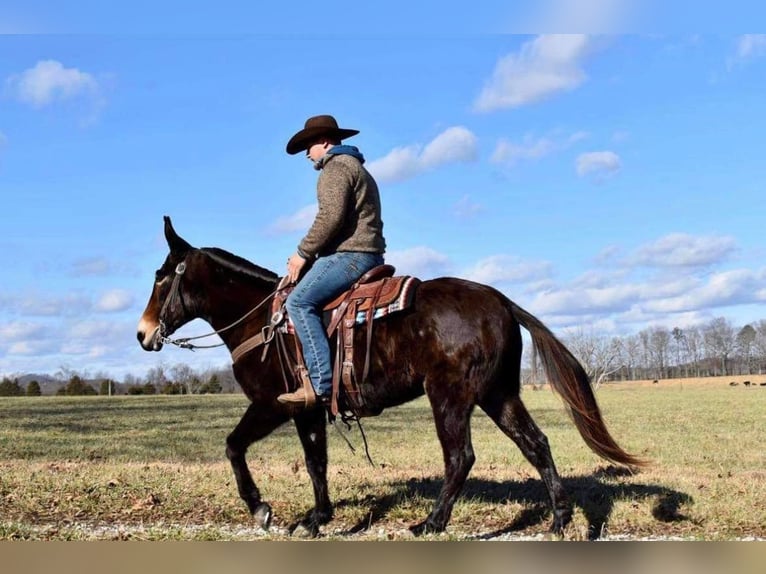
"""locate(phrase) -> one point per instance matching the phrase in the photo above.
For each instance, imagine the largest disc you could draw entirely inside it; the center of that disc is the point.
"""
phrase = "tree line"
(715, 348)
(179, 379)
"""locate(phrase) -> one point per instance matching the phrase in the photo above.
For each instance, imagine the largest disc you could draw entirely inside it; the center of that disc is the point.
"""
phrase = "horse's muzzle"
(151, 343)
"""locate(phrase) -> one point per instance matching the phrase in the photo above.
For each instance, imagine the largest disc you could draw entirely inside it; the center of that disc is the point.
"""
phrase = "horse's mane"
(239, 264)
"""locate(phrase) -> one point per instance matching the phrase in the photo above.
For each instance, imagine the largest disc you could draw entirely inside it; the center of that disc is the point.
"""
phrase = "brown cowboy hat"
(315, 127)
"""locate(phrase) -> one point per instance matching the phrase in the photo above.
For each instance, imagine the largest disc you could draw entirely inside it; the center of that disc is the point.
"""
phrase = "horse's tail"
(567, 376)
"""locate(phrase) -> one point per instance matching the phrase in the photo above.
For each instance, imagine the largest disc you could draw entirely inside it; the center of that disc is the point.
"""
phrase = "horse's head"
(168, 307)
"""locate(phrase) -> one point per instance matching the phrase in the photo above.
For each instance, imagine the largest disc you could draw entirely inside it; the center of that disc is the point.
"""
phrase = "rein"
(184, 342)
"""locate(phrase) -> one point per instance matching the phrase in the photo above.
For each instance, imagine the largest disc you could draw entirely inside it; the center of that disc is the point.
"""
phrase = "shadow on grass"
(595, 494)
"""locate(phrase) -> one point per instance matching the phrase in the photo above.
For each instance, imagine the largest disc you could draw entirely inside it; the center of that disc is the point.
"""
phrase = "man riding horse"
(344, 241)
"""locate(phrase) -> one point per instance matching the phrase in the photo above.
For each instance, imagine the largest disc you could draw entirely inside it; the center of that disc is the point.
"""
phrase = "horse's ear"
(176, 243)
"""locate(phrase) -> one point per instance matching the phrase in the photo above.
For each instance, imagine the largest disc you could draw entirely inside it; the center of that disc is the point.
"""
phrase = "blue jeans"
(327, 278)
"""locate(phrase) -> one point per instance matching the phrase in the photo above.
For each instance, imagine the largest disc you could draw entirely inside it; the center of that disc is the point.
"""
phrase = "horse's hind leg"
(454, 432)
(512, 417)
(255, 424)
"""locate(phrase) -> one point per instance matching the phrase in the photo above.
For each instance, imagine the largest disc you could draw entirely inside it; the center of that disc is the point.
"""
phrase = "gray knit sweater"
(349, 217)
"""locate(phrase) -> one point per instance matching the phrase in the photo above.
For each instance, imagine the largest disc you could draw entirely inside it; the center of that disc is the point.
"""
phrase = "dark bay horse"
(460, 344)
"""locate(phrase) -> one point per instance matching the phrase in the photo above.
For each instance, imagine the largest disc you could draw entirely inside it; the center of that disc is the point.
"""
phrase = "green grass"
(154, 468)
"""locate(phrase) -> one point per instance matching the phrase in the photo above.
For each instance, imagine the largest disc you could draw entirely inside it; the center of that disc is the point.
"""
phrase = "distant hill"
(48, 384)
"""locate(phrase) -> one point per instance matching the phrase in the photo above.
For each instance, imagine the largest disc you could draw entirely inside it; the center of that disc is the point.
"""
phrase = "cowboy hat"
(315, 127)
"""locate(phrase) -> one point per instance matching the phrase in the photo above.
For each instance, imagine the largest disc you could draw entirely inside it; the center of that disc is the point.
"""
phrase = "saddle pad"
(401, 302)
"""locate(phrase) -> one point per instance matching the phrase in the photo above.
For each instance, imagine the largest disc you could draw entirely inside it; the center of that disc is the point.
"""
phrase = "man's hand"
(294, 266)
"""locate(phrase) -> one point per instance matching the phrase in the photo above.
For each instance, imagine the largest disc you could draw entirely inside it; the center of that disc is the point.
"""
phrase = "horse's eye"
(158, 275)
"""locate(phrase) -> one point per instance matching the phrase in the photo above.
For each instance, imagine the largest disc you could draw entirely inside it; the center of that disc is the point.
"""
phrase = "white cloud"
(48, 306)
(576, 301)
(465, 208)
(507, 268)
(598, 164)
(114, 300)
(90, 267)
(594, 16)
(401, 163)
(507, 152)
(48, 81)
(66, 305)
(577, 137)
(88, 333)
(608, 255)
(17, 331)
(683, 250)
(455, 144)
(531, 147)
(627, 293)
(30, 348)
(619, 297)
(301, 220)
(739, 286)
(751, 45)
(620, 136)
(600, 277)
(547, 65)
(420, 261)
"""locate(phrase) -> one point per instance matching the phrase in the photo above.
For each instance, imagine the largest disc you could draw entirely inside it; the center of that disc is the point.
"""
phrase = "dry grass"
(154, 468)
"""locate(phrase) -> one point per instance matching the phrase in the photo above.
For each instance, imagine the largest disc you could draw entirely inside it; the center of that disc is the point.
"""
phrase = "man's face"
(317, 149)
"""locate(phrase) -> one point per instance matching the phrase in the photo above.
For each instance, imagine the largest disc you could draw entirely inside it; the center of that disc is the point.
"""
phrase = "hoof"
(262, 515)
(551, 536)
(561, 519)
(425, 527)
(305, 531)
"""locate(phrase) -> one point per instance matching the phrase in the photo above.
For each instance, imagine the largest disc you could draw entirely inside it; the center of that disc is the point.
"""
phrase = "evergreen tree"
(10, 388)
(150, 389)
(33, 389)
(173, 389)
(213, 386)
(76, 387)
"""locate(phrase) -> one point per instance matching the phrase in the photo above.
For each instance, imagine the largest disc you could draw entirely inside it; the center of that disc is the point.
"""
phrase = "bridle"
(184, 342)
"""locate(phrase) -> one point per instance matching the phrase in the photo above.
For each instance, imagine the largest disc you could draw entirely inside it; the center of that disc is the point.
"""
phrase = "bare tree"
(631, 355)
(679, 346)
(659, 345)
(131, 380)
(720, 343)
(228, 382)
(695, 348)
(760, 345)
(183, 374)
(646, 355)
(746, 346)
(156, 377)
(599, 355)
(655, 342)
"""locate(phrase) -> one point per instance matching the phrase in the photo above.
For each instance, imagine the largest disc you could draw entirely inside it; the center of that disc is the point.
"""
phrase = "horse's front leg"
(256, 423)
(312, 430)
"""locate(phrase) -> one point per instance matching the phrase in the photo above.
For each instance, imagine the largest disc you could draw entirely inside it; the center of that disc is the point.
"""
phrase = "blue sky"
(601, 181)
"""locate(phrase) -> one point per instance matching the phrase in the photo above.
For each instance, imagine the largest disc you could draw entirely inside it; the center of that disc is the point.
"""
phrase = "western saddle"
(376, 294)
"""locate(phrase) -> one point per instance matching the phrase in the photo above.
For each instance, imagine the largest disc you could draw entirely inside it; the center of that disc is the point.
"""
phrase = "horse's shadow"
(594, 494)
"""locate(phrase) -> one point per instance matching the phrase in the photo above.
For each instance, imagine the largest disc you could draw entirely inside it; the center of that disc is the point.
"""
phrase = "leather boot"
(301, 397)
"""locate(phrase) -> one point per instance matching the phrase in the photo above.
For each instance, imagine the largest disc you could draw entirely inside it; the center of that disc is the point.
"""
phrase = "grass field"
(154, 468)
